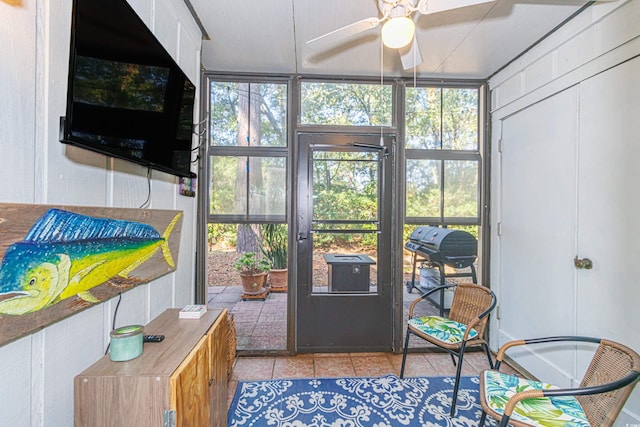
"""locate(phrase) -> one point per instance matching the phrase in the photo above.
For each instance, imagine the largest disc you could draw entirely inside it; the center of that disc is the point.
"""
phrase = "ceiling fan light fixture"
(398, 32)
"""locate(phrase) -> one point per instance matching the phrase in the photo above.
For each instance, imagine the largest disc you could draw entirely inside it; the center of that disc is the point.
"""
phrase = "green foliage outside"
(267, 107)
(437, 120)
(249, 263)
(441, 118)
(345, 104)
(274, 244)
(345, 189)
(222, 234)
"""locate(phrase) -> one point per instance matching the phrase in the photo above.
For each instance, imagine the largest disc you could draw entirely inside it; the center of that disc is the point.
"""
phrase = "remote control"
(153, 338)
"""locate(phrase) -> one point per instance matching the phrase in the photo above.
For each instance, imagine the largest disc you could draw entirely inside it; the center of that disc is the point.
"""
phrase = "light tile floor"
(261, 326)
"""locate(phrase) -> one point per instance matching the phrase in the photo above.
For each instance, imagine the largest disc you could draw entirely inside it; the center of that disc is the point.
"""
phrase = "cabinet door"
(218, 342)
(190, 388)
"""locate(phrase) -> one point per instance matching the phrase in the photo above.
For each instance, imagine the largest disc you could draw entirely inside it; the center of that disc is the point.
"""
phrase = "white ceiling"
(269, 36)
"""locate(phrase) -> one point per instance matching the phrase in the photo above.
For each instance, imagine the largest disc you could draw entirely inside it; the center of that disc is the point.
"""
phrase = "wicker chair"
(465, 327)
(607, 383)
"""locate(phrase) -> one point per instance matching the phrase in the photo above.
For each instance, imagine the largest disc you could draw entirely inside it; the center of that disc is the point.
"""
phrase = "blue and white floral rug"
(367, 402)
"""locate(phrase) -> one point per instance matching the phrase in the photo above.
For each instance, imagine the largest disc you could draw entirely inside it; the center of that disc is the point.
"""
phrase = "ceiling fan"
(398, 29)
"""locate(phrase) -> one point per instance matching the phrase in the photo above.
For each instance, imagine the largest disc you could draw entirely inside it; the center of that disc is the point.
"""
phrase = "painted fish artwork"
(65, 254)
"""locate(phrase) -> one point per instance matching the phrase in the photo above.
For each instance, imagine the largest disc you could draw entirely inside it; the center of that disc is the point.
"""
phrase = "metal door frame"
(344, 305)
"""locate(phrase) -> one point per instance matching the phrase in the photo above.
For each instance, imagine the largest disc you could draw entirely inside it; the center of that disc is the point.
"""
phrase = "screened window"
(248, 186)
(442, 156)
(345, 104)
(441, 118)
(248, 114)
(247, 151)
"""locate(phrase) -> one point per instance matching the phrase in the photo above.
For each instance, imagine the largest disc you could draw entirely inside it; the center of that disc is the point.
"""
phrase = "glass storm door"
(344, 294)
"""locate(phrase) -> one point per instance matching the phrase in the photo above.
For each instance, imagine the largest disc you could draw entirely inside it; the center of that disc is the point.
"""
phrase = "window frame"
(247, 151)
(444, 155)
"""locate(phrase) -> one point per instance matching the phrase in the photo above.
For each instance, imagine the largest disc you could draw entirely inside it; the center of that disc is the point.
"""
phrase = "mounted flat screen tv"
(126, 96)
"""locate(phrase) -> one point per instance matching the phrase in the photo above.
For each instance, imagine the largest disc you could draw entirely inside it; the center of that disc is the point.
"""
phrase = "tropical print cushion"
(561, 411)
(445, 330)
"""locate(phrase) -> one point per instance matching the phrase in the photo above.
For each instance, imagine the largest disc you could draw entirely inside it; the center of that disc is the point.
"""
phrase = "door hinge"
(500, 145)
(498, 313)
(169, 419)
(499, 228)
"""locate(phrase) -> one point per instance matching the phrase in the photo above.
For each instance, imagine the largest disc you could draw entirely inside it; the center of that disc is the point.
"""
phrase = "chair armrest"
(506, 346)
(516, 398)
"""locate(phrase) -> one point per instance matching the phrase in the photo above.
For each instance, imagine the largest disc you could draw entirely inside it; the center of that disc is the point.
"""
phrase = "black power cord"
(115, 313)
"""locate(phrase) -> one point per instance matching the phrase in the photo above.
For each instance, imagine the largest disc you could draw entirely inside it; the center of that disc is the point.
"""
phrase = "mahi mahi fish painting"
(65, 254)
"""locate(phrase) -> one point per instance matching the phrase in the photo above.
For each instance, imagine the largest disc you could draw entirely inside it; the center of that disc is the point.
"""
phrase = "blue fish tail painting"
(66, 254)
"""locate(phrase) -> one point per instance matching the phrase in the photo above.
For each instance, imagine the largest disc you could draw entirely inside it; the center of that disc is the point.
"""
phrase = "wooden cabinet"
(181, 381)
(218, 339)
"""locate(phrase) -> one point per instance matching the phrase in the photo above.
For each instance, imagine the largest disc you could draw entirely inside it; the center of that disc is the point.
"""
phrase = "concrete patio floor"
(261, 326)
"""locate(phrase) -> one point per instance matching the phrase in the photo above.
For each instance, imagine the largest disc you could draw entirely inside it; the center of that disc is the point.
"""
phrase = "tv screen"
(126, 96)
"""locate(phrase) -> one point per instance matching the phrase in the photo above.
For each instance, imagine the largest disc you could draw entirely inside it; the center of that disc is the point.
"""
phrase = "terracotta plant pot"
(253, 284)
(278, 278)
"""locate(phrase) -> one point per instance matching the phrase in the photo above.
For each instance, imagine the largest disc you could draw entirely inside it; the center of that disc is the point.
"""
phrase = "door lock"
(584, 263)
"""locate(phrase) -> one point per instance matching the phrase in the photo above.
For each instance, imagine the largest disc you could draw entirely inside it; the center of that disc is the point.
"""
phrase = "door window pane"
(345, 191)
(345, 186)
(345, 104)
(248, 114)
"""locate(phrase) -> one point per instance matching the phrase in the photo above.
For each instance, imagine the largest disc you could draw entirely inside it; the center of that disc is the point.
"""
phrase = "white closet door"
(538, 230)
(609, 207)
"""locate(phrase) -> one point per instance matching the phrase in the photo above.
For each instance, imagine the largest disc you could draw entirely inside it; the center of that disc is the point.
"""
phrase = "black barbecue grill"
(439, 247)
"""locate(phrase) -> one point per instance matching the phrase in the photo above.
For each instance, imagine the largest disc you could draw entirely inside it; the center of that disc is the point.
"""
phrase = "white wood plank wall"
(37, 371)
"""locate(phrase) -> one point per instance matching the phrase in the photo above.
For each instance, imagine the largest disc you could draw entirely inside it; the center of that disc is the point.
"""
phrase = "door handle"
(302, 236)
(584, 263)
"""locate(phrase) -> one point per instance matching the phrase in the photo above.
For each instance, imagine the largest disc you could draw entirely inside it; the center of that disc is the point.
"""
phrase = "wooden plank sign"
(59, 260)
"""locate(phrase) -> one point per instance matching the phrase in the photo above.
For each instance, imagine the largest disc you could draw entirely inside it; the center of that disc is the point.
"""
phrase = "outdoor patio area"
(261, 326)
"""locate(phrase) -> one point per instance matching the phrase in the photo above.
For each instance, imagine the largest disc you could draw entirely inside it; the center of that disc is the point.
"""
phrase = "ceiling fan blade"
(336, 36)
(410, 55)
(426, 7)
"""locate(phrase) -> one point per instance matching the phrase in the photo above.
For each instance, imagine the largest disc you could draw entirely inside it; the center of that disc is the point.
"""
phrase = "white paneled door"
(609, 207)
(569, 176)
(538, 228)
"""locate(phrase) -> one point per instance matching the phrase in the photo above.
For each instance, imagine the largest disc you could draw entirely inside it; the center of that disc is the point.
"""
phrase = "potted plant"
(274, 245)
(253, 272)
